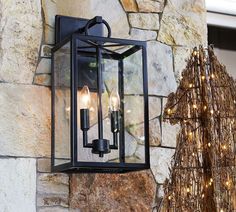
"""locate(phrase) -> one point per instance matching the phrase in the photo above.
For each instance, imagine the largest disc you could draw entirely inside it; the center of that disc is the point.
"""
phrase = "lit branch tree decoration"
(203, 175)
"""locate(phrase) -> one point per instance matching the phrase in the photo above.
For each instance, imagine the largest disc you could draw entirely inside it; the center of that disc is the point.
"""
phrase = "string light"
(188, 190)
(169, 111)
(196, 128)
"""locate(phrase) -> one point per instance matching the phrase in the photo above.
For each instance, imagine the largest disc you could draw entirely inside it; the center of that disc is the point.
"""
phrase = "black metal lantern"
(98, 84)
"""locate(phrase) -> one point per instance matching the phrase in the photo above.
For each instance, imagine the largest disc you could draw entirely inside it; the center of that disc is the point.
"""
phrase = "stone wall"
(170, 27)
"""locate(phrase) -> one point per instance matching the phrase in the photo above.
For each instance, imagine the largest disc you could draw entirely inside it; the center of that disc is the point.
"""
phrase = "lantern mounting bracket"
(65, 26)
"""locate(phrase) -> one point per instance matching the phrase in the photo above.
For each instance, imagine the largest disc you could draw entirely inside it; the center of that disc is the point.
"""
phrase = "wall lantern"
(99, 99)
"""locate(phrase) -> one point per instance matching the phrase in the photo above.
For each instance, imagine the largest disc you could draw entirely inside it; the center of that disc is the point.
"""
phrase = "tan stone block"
(21, 35)
(53, 184)
(129, 5)
(18, 184)
(52, 200)
(169, 134)
(117, 19)
(161, 78)
(138, 34)
(181, 55)
(160, 159)
(118, 192)
(144, 20)
(150, 6)
(44, 66)
(49, 34)
(184, 23)
(44, 165)
(42, 79)
(25, 124)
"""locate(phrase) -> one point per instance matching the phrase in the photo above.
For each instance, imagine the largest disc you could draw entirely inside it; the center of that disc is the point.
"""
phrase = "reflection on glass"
(62, 104)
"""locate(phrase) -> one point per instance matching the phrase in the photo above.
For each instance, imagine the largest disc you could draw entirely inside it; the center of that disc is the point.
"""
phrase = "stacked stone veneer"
(171, 28)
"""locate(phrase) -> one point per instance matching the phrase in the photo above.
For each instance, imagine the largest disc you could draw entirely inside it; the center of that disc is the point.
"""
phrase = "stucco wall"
(171, 28)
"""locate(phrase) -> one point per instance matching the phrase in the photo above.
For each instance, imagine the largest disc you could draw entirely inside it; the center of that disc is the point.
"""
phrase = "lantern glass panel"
(122, 72)
(134, 108)
(62, 104)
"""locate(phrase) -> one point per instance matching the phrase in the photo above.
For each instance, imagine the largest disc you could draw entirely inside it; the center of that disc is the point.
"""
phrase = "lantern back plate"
(66, 25)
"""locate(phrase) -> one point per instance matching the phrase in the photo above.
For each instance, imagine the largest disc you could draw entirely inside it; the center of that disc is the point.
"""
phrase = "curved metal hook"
(97, 20)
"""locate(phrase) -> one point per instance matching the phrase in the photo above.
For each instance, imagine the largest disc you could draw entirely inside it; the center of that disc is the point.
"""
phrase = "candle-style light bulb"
(84, 113)
(114, 101)
(85, 98)
(114, 105)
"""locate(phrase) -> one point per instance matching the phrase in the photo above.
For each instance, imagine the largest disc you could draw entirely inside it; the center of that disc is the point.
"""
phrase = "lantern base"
(101, 147)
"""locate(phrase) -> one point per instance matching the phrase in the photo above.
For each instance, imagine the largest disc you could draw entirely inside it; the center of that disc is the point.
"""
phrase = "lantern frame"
(95, 167)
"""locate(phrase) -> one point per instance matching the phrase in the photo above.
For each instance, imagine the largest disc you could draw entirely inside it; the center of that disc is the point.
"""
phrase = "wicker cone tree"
(203, 172)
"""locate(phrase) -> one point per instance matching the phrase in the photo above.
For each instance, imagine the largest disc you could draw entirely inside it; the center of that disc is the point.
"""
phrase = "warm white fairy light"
(188, 190)
(224, 147)
(192, 133)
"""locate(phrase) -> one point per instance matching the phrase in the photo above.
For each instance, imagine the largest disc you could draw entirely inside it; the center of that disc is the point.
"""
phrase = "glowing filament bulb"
(221, 210)
(190, 85)
(188, 190)
(205, 107)
(224, 147)
(114, 101)
(195, 106)
(212, 111)
(169, 197)
(169, 111)
(212, 76)
(209, 144)
(85, 98)
(203, 77)
(211, 180)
